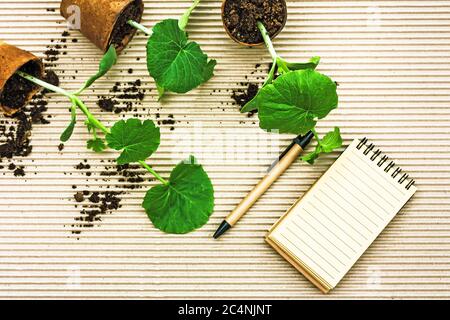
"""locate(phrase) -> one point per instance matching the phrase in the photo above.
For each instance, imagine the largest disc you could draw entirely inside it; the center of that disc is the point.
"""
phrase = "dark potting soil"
(242, 97)
(55, 50)
(122, 29)
(126, 97)
(130, 176)
(95, 204)
(109, 105)
(15, 131)
(19, 172)
(79, 197)
(15, 136)
(17, 89)
(241, 17)
(169, 121)
(52, 78)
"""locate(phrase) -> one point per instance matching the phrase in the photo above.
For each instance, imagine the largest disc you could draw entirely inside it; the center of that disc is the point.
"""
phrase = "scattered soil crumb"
(242, 96)
(97, 203)
(55, 50)
(79, 197)
(129, 176)
(94, 206)
(126, 97)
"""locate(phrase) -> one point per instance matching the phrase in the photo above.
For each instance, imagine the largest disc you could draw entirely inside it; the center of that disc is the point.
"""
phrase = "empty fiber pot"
(104, 22)
(240, 19)
(16, 92)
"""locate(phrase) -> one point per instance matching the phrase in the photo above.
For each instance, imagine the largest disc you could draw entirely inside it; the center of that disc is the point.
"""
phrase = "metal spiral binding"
(382, 160)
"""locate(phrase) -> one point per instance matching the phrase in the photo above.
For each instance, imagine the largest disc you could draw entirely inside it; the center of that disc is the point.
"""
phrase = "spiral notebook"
(325, 232)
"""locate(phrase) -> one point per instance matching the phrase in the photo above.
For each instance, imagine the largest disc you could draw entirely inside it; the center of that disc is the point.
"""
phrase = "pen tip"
(224, 227)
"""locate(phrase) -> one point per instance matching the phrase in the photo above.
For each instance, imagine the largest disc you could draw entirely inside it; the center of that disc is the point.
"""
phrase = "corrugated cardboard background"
(391, 59)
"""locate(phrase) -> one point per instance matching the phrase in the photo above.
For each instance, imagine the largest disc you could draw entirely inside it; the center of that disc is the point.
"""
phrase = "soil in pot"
(240, 18)
(122, 30)
(17, 90)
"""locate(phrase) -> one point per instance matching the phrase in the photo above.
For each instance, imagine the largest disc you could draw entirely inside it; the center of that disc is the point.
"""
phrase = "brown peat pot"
(240, 19)
(104, 22)
(16, 92)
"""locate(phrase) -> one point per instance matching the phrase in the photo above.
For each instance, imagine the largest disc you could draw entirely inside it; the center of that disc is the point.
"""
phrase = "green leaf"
(295, 101)
(135, 139)
(184, 20)
(176, 64)
(312, 64)
(97, 145)
(67, 134)
(185, 203)
(330, 142)
(107, 62)
(312, 157)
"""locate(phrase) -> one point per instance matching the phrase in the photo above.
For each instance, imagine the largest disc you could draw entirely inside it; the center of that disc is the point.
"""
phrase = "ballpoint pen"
(278, 168)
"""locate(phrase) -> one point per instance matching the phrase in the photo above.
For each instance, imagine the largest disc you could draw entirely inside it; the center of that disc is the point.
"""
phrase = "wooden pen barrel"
(284, 163)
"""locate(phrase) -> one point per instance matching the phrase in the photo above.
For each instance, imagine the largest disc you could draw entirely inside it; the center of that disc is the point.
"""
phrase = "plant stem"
(316, 135)
(153, 172)
(44, 84)
(182, 23)
(267, 40)
(270, 47)
(91, 118)
(140, 27)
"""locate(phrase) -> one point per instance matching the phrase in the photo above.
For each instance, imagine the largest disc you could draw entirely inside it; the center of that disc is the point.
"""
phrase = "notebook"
(325, 232)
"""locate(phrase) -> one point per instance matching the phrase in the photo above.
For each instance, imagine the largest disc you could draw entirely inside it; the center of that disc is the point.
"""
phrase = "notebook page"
(343, 213)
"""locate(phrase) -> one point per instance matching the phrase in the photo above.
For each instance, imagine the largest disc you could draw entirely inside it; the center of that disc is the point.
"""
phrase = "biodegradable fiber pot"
(16, 92)
(240, 19)
(104, 22)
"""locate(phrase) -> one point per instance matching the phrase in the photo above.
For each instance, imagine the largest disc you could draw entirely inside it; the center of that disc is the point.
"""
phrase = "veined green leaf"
(331, 141)
(183, 205)
(137, 140)
(176, 64)
(312, 64)
(295, 100)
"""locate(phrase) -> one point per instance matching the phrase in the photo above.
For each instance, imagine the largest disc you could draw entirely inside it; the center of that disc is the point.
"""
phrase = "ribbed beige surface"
(391, 59)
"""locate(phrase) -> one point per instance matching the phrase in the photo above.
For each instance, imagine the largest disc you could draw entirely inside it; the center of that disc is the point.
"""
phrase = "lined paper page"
(343, 213)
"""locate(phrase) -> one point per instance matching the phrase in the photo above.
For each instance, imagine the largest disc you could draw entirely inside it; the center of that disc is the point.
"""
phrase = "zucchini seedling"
(178, 205)
(294, 96)
(176, 64)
